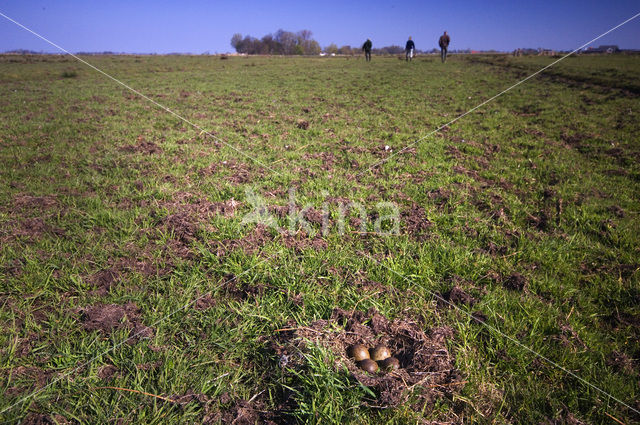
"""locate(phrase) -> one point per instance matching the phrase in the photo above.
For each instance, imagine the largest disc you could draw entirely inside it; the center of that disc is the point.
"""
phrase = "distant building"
(606, 48)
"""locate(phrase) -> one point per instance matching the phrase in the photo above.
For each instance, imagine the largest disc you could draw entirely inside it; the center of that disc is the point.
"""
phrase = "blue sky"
(160, 26)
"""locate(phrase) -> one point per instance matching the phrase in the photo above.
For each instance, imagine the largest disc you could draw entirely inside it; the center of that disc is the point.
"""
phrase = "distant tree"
(280, 42)
(314, 48)
(304, 35)
(309, 45)
(388, 50)
(331, 48)
(287, 40)
(270, 45)
(345, 50)
(236, 40)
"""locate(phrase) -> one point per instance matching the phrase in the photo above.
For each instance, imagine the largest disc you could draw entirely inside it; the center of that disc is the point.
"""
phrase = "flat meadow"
(155, 271)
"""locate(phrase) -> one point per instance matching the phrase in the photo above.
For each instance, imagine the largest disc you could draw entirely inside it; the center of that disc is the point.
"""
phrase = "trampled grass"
(121, 222)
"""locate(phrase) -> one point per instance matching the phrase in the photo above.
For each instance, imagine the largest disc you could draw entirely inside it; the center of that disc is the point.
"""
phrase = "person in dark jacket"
(409, 48)
(367, 50)
(444, 45)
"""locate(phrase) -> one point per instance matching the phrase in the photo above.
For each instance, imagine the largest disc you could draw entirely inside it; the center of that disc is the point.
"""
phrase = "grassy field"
(148, 272)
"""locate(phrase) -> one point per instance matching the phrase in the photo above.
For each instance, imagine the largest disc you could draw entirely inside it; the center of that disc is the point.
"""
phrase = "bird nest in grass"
(426, 370)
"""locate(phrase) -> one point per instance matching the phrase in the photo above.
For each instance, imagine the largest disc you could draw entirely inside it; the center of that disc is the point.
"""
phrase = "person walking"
(366, 47)
(408, 49)
(444, 45)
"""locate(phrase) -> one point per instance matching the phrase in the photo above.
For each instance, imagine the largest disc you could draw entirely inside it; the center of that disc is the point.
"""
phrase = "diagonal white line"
(138, 93)
(498, 95)
(118, 345)
(499, 332)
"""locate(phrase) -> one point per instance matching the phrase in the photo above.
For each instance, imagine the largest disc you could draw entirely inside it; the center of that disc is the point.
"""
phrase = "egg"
(390, 364)
(359, 352)
(368, 365)
(380, 352)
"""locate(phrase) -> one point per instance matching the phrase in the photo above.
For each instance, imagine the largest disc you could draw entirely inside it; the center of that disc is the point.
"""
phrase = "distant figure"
(444, 45)
(367, 50)
(409, 48)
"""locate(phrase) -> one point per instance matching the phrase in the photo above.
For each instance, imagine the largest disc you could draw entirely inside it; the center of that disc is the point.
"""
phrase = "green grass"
(543, 182)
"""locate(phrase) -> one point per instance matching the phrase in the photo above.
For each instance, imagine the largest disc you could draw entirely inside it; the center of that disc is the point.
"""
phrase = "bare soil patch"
(249, 244)
(416, 222)
(515, 282)
(25, 202)
(108, 317)
(144, 147)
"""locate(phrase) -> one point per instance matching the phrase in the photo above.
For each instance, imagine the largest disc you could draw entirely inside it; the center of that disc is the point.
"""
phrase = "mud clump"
(416, 222)
(42, 419)
(40, 377)
(617, 211)
(440, 196)
(204, 302)
(621, 362)
(108, 317)
(34, 228)
(107, 371)
(187, 211)
(515, 282)
(301, 241)
(39, 203)
(457, 296)
(328, 159)
(182, 226)
(104, 280)
(249, 244)
(479, 317)
(244, 412)
(426, 368)
(144, 147)
(314, 216)
(239, 290)
(241, 173)
(540, 220)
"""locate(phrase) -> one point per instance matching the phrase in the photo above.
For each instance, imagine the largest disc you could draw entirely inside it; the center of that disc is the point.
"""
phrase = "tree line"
(299, 43)
(279, 43)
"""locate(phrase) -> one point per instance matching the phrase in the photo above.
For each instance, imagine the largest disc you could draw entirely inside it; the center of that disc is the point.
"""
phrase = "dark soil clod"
(515, 282)
(457, 296)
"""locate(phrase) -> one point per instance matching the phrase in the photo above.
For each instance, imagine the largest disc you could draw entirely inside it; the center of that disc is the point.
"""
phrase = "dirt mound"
(301, 241)
(29, 202)
(426, 371)
(240, 172)
(250, 243)
(328, 159)
(243, 412)
(416, 222)
(205, 302)
(440, 196)
(237, 289)
(107, 371)
(40, 377)
(32, 229)
(515, 281)
(104, 280)
(197, 206)
(182, 226)
(108, 317)
(457, 296)
(142, 146)
(42, 419)
(621, 362)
